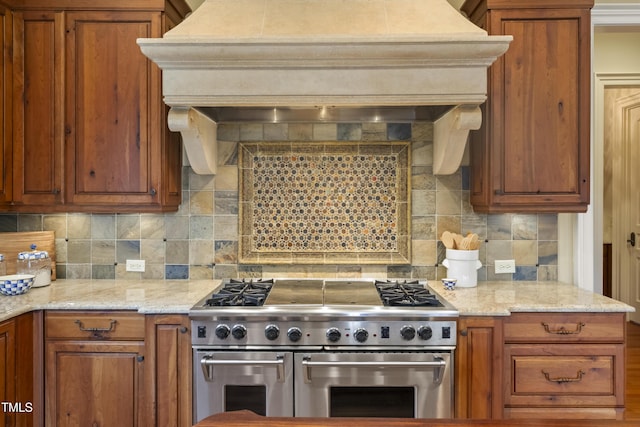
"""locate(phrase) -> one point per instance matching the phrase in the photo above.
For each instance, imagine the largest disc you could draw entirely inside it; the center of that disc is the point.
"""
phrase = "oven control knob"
(294, 334)
(271, 332)
(239, 332)
(424, 332)
(361, 335)
(408, 332)
(222, 331)
(333, 334)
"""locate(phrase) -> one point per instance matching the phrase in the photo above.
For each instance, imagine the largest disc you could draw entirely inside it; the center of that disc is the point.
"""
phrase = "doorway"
(585, 231)
(621, 195)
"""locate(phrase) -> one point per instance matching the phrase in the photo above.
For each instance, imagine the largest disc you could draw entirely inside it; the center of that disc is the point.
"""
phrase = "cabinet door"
(38, 93)
(545, 70)
(94, 383)
(478, 368)
(113, 131)
(8, 369)
(169, 367)
(29, 369)
(533, 152)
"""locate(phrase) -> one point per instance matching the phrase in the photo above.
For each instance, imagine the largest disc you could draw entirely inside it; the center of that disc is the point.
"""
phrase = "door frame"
(620, 227)
(586, 232)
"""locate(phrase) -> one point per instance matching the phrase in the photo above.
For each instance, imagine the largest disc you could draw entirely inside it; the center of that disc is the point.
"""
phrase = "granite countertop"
(178, 296)
(144, 296)
(504, 298)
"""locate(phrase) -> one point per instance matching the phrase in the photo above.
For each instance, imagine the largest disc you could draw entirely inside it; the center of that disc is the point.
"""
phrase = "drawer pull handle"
(97, 332)
(562, 330)
(577, 378)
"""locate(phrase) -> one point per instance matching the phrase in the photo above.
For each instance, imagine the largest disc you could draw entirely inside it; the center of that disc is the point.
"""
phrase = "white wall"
(616, 50)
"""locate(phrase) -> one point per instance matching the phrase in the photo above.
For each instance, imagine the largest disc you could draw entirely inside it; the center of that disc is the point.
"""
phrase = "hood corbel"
(450, 135)
(199, 137)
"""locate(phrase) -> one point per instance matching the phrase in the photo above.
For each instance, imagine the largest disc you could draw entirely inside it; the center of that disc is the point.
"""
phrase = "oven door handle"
(438, 366)
(208, 362)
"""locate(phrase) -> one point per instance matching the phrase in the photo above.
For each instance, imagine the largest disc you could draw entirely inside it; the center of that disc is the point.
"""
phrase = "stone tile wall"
(201, 239)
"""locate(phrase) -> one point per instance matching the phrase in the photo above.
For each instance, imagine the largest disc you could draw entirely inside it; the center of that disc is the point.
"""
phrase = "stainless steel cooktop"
(317, 296)
(323, 313)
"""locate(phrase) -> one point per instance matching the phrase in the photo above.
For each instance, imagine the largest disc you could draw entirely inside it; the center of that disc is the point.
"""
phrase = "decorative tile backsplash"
(324, 203)
(201, 240)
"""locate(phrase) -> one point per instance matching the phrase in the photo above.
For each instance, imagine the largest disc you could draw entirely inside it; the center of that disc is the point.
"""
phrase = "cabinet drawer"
(115, 325)
(564, 375)
(565, 327)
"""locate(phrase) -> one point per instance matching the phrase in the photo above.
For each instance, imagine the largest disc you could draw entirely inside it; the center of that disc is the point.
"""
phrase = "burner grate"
(239, 292)
(406, 293)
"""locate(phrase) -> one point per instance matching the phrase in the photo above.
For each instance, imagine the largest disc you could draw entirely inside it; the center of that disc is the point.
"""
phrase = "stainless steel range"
(324, 348)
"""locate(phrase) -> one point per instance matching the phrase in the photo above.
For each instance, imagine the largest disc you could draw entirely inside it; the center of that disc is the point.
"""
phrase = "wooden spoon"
(464, 244)
(447, 240)
(458, 240)
(474, 242)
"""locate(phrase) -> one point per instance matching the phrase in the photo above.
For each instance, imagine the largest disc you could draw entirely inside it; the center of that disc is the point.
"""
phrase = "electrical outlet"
(505, 266)
(136, 265)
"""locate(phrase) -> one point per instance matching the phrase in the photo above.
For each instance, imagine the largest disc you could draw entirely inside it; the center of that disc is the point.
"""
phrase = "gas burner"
(240, 292)
(406, 293)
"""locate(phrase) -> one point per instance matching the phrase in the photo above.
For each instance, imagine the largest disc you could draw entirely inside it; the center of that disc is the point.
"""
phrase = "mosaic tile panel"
(324, 202)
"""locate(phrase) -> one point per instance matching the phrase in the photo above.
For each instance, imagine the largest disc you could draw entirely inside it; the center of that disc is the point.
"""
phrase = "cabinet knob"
(184, 330)
(153, 192)
(140, 358)
(463, 333)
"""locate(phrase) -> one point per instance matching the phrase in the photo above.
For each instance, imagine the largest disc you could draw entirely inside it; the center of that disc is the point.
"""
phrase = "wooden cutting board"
(13, 243)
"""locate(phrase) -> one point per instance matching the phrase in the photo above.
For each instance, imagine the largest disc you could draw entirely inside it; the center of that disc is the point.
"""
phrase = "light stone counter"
(178, 296)
(144, 296)
(503, 298)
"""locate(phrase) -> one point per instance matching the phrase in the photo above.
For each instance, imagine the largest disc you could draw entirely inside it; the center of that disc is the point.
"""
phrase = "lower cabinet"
(168, 341)
(20, 371)
(120, 368)
(8, 368)
(126, 369)
(541, 365)
(564, 365)
(478, 368)
(95, 364)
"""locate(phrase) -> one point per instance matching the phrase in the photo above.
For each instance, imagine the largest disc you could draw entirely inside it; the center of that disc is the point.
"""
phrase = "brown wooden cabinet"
(89, 122)
(478, 368)
(94, 367)
(38, 108)
(564, 365)
(168, 342)
(532, 151)
(8, 368)
(20, 370)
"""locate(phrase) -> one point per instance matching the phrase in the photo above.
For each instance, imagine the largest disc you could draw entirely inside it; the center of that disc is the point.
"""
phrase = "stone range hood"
(326, 60)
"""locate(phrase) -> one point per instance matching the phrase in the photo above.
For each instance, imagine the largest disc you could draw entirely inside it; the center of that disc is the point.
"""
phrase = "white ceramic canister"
(37, 263)
(463, 265)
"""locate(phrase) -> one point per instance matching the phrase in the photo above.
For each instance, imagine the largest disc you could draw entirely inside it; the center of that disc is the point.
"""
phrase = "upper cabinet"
(532, 151)
(89, 124)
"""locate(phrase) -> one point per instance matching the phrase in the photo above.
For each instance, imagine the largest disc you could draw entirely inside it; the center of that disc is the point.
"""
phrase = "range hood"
(324, 59)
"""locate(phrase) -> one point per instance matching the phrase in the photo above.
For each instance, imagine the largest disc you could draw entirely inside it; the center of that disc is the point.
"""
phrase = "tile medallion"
(327, 202)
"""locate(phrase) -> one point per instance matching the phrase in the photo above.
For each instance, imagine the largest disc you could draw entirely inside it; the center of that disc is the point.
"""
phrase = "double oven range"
(324, 348)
